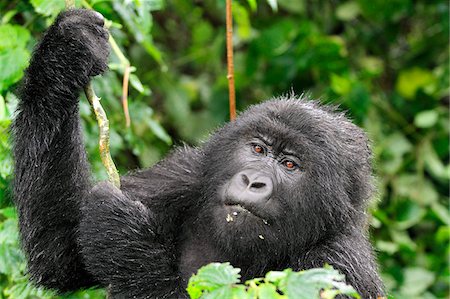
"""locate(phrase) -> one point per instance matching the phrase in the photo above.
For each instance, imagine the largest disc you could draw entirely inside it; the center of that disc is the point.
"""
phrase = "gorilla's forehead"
(289, 119)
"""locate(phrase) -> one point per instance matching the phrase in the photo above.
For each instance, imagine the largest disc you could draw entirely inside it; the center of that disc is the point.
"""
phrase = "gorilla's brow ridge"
(264, 138)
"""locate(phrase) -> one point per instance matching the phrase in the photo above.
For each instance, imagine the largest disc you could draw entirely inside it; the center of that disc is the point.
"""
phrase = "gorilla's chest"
(194, 254)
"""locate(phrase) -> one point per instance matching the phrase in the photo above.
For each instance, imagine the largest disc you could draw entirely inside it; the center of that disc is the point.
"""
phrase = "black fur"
(145, 240)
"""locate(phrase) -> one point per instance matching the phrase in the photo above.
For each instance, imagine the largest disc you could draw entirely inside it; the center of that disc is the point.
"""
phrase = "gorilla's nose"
(250, 185)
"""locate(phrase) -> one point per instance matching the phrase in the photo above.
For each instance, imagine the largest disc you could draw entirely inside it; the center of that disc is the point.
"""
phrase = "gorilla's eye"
(259, 149)
(291, 165)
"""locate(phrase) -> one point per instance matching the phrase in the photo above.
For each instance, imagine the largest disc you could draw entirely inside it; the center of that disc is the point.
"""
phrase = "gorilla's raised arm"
(51, 172)
(75, 235)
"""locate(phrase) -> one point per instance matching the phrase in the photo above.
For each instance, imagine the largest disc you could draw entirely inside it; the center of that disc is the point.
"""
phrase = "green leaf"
(403, 239)
(252, 4)
(48, 7)
(426, 119)
(389, 247)
(159, 131)
(293, 6)
(8, 16)
(9, 213)
(433, 163)
(441, 212)
(341, 85)
(416, 188)
(2, 108)
(220, 293)
(348, 11)
(242, 21)
(416, 281)
(212, 277)
(308, 284)
(409, 214)
(14, 56)
(276, 277)
(267, 291)
(13, 36)
(12, 63)
(137, 84)
(411, 80)
(273, 4)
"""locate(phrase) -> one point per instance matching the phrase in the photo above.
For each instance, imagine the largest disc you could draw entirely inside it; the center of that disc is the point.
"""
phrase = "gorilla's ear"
(360, 181)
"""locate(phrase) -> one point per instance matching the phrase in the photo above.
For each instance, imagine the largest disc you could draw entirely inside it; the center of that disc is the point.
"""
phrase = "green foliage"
(222, 281)
(385, 62)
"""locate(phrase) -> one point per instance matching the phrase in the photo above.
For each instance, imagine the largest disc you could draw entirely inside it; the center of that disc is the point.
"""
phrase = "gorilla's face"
(267, 169)
(278, 177)
(260, 195)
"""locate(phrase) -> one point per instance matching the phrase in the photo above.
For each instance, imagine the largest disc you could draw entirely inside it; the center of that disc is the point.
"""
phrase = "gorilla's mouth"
(239, 208)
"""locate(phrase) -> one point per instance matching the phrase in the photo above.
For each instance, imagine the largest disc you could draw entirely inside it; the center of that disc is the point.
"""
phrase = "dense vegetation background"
(385, 62)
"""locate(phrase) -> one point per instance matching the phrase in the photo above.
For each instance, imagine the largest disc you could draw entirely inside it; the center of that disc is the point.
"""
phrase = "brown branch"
(230, 75)
(126, 76)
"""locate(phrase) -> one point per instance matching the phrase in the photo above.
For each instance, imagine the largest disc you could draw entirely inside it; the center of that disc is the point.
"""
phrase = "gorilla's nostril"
(257, 185)
(245, 180)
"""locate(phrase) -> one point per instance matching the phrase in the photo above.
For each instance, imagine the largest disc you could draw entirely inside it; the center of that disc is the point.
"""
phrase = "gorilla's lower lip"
(241, 208)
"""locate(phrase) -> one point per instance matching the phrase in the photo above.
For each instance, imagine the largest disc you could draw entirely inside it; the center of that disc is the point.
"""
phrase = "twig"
(230, 76)
(103, 125)
(126, 75)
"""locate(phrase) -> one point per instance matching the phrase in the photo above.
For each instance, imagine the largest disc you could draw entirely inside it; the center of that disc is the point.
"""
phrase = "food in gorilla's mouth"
(240, 208)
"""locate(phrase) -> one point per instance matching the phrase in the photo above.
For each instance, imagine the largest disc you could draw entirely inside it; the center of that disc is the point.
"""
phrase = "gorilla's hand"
(73, 49)
(83, 33)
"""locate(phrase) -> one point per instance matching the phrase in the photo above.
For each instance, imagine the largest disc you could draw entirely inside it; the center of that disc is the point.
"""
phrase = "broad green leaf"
(242, 21)
(411, 80)
(2, 108)
(13, 36)
(9, 212)
(409, 213)
(442, 212)
(12, 64)
(137, 84)
(308, 284)
(48, 8)
(51, 8)
(415, 188)
(222, 292)
(426, 119)
(372, 65)
(11, 103)
(14, 56)
(252, 4)
(273, 4)
(276, 276)
(348, 11)
(267, 291)
(433, 163)
(416, 281)
(8, 16)
(293, 6)
(403, 239)
(389, 247)
(212, 277)
(159, 131)
(340, 84)
(395, 147)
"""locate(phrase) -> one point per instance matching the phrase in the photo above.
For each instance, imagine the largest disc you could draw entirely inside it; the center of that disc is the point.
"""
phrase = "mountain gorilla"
(285, 185)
